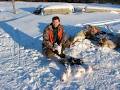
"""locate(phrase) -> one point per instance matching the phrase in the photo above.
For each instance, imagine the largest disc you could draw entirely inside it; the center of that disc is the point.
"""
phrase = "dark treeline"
(74, 1)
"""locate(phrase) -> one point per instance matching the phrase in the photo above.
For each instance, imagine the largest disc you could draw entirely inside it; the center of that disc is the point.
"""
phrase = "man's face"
(56, 23)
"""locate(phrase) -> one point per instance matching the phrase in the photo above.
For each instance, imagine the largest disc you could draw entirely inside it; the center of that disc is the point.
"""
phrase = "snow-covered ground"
(22, 65)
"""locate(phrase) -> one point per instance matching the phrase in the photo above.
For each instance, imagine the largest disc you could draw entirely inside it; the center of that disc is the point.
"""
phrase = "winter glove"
(62, 55)
(55, 51)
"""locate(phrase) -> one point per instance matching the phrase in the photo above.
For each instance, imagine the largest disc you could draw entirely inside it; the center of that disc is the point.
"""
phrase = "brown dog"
(91, 31)
(104, 42)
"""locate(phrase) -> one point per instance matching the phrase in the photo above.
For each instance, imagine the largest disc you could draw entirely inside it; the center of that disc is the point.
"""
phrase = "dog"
(91, 31)
(79, 37)
(104, 42)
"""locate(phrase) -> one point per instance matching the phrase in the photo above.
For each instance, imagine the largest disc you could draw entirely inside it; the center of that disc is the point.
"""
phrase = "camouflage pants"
(48, 53)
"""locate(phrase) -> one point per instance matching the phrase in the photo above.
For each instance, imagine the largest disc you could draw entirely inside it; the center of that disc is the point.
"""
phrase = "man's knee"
(48, 53)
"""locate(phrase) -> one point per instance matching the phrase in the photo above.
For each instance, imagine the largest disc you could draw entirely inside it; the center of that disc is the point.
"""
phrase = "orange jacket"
(48, 37)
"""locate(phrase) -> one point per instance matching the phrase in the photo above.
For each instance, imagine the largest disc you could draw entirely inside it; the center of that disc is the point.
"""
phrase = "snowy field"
(22, 65)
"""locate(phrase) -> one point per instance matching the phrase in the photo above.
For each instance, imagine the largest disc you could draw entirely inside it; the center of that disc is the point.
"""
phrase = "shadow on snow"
(21, 38)
(29, 9)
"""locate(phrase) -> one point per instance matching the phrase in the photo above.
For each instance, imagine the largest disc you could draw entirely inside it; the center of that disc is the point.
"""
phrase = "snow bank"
(94, 7)
(115, 12)
(60, 6)
(55, 9)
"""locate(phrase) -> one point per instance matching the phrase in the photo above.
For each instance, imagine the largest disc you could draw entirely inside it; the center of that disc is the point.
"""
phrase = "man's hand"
(62, 55)
(56, 52)
(58, 48)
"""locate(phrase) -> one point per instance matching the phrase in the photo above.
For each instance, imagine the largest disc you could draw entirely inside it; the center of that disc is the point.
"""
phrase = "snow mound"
(54, 9)
(59, 6)
(115, 12)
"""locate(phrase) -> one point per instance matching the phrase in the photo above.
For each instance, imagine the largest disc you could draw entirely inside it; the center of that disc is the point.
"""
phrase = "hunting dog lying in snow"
(93, 33)
(89, 33)
(112, 44)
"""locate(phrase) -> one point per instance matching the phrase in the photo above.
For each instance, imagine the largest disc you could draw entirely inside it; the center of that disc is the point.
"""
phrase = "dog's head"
(102, 41)
(92, 31)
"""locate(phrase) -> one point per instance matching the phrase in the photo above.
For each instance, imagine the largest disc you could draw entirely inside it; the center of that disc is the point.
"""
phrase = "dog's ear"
(87, 27)
(102, 40)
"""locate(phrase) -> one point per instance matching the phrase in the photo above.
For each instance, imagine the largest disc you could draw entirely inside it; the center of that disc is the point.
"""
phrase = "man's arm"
(46, 41)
